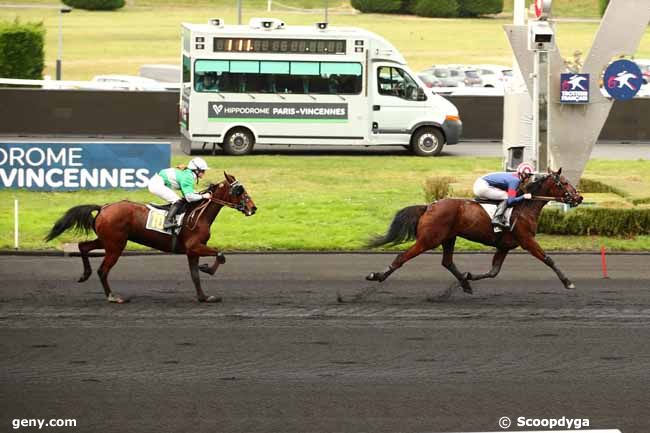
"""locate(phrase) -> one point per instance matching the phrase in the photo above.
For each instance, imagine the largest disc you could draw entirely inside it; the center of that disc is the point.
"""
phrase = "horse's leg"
(497, 262)
(203, 250)
(193, 261)
(448, 262)
(531, 245)
(418, 248)
(113, 252)
(84, 249)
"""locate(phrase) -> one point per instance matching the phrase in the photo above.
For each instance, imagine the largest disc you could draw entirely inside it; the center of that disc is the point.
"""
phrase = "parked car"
(429, 80)
(124, 82)
(644, 64)
(439, 74)
(465, 76)
(496, 76)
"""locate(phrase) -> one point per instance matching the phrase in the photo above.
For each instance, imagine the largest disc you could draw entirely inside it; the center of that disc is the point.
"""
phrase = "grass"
(319, 203)
(148, 31)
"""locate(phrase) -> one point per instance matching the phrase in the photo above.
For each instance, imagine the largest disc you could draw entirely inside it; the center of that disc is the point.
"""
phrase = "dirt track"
(280, 354)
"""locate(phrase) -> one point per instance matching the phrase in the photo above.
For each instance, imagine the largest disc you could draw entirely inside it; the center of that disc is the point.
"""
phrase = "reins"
(546, 198)
(202, 207)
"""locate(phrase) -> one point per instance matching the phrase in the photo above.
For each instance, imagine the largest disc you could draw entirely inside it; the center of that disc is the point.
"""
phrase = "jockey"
(180, 178)
(503, 186)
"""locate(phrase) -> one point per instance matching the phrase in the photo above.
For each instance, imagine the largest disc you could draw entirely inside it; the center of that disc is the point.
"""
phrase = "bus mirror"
(321, 25)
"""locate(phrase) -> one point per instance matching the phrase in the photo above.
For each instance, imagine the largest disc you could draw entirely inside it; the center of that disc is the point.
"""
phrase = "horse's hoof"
(206, 268)
(467, 288)
(221, 258)
(84, 277)
(117, 299)
(375, 276)
(211, 299)
(570, 286)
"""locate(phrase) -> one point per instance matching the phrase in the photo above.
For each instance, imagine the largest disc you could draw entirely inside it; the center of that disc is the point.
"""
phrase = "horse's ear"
(559, 172)
(548, 170)
(227, 176)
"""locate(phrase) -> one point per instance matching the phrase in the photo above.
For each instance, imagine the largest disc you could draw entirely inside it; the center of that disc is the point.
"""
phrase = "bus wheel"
(238, 142)
(427, 142)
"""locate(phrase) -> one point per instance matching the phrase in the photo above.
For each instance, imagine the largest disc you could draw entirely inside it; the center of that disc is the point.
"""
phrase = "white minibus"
(269, 83)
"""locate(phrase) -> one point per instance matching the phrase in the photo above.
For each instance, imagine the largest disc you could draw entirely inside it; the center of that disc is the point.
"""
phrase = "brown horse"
(442, 221)
(117, 223)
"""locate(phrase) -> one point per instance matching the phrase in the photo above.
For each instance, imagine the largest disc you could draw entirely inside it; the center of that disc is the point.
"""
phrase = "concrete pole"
(535, 111)
(16, 223)
(59, 53)
(239, 12)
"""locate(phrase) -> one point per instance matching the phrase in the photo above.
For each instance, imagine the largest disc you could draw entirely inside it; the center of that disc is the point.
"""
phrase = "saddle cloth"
(156, 220)
(490, 209)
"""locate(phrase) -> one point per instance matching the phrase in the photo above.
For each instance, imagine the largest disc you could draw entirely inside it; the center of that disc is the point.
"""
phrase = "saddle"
(156, 219)
(480, 200)
(490, 207)
(164, 207)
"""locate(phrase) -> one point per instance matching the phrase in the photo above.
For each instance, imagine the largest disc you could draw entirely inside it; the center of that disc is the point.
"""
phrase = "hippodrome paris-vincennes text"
(26, 170)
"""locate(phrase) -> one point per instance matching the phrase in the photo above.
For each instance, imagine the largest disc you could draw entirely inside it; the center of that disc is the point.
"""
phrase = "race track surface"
(280, 354)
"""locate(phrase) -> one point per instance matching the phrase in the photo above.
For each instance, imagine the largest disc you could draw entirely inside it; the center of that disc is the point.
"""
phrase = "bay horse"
(117, 223)
(442, 221)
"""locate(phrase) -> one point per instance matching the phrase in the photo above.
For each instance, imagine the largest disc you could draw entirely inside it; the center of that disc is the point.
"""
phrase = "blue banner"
(72, 166)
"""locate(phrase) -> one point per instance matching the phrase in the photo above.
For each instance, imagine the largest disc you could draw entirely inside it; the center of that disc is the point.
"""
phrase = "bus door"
(397, 100)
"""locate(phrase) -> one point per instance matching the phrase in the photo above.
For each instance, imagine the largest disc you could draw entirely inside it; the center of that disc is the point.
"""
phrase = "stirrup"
(169, 225)
(501, 224)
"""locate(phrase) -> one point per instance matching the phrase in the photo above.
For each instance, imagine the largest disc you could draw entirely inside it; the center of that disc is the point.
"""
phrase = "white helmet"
(198, 164)
(525, 169)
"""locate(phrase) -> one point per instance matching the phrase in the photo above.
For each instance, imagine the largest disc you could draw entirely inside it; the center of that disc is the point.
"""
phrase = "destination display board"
(281, 46)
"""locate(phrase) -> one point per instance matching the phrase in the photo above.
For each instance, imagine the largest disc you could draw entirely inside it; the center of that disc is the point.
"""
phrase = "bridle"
(235, 189)
(567, 197)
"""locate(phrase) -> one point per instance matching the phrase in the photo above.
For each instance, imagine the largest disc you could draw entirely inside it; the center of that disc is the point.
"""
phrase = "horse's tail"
(79, 217)
(402, 229)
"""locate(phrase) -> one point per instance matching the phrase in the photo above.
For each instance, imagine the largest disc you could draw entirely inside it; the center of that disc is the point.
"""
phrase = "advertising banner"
(72, 166)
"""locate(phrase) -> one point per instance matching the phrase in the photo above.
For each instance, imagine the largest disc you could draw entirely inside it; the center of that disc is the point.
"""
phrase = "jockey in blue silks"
(503, 186)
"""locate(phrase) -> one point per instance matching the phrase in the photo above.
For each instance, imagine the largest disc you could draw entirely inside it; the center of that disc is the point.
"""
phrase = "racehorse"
(444, 220)
(117, 223)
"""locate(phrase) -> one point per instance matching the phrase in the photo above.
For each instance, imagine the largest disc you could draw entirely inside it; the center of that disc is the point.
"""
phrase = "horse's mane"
(538, 181)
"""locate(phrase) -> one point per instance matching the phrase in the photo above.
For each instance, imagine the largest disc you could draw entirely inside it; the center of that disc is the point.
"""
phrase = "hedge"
(95, 5)
(474, 8)
(379, 6)
(595, 221)
(602, 5)
(21, 50)
(408, 7)
(436, 8)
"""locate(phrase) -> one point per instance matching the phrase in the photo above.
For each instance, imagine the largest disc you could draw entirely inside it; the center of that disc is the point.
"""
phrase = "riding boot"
(499, 218)
(170, 219)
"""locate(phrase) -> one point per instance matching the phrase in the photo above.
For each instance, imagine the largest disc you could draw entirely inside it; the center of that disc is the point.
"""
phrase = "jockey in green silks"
(165, 182)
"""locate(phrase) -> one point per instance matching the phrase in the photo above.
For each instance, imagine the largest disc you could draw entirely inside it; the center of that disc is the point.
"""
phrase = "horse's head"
(555, 185)
(232, 193)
